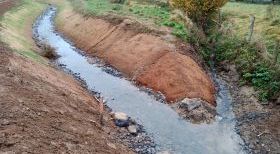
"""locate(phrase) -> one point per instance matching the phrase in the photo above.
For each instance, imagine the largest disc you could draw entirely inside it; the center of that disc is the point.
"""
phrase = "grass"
(267, 25)
(138, 10)
(254, 68)
(14, 30)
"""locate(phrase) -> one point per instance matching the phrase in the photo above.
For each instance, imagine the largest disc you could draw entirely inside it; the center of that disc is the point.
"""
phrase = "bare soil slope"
(145, 58)
(43, 110)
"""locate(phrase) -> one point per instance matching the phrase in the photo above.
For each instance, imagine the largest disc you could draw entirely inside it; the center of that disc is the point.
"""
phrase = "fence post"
(220, 19)
(276, 51)
(252, 24)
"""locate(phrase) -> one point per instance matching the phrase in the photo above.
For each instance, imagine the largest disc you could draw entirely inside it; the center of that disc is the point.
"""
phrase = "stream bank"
(169, 131)
(155, 62)
(257, 124)
(38, 109)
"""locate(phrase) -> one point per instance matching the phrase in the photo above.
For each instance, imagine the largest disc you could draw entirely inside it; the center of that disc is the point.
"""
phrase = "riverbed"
(169, 131)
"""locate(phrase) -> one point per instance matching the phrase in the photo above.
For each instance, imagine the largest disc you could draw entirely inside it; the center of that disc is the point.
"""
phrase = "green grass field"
(254, 59)
(267, 24)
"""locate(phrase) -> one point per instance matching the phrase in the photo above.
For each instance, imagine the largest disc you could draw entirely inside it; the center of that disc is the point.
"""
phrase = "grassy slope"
(16, 30)
(138, 10)
(253, 60)
(267, 28)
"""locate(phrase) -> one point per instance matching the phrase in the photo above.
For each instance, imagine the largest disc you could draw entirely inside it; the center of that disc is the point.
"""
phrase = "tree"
(200, 11)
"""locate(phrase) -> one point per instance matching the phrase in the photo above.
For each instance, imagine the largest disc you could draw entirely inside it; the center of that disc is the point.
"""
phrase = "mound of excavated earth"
(43, 110)
(145, 58)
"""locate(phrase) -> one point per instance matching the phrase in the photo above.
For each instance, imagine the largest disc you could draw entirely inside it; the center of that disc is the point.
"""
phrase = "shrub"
(48, 51)
(199, 10)
(253, 69)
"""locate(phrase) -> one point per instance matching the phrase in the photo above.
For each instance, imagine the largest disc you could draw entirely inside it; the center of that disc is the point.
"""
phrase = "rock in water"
(121, 123)
(121, 119)
(132, 129)
(190, 104)
(120, 116)
(196, 110)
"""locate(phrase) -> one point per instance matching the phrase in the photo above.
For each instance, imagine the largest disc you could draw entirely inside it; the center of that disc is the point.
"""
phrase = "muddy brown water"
(169, 131)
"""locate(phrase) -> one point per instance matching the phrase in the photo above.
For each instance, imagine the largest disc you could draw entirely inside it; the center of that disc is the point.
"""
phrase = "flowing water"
(169, 131)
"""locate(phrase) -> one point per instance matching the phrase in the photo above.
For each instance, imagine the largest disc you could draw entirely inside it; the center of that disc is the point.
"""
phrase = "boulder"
(121, 119)
(196, 110)
(190, 104)
(120, 116)
(132, 129)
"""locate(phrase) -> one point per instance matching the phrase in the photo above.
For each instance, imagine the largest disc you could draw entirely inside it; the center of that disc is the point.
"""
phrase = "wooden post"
(276, 52)
(220, 19)
(252, 24)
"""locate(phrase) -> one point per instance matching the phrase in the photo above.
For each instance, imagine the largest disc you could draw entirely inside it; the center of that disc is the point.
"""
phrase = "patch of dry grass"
(267, 24)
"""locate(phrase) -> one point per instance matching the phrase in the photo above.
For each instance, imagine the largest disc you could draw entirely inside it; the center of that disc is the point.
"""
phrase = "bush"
(48, 51)
(253, 69)
(199, 10)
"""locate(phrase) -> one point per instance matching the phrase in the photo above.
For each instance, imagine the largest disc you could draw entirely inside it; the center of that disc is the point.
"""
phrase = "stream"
(168, 130)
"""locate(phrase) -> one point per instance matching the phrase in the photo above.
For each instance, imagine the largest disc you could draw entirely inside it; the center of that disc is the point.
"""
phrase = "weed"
(48, 51)
(253, 69)
(179, 29)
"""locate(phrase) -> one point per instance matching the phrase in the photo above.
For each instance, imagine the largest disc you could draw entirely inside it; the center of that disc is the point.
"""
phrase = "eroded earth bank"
(149, 60)
(160, 62)
(45, 110)
(168, 130)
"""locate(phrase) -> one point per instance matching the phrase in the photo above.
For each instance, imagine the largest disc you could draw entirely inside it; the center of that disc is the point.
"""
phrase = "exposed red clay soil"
(42, 110)
(186, 81)
(145, 58)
